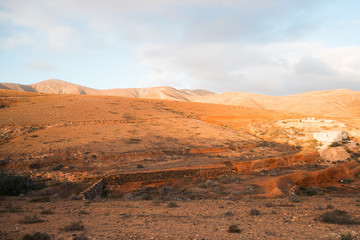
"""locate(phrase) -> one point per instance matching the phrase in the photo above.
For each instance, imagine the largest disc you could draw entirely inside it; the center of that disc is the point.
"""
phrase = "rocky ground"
(198, 219)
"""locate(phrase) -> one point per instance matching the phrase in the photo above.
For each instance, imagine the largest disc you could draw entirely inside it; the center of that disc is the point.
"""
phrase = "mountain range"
(339, 102)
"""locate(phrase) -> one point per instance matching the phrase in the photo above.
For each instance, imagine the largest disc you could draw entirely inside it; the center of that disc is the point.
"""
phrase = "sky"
(273, 47)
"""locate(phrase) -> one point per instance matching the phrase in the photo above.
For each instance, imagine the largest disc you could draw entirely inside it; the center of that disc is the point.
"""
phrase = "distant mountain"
(55, 86)
(339, 102)
(17, 87)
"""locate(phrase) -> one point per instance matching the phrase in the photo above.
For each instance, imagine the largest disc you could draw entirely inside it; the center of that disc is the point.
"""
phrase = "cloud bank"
(273, 47)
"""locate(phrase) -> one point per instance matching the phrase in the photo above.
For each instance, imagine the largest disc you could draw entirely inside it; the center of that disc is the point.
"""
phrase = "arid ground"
(176, 169)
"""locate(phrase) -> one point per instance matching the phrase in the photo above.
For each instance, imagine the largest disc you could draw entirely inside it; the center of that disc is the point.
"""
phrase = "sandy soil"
(200, 219)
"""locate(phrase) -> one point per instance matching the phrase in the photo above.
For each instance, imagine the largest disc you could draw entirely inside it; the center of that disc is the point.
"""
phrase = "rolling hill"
(339, 102)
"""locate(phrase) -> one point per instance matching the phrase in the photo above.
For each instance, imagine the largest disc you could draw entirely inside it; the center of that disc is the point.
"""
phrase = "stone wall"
(153, 176)
(93, 191)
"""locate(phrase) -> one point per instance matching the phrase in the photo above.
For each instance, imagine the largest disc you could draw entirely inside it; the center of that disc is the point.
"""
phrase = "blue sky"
(274, 47)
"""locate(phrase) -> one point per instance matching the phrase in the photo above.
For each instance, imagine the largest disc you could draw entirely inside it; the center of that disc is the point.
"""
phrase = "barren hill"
(17, 87)
(165, 93)
(339, 102)
(335, 103)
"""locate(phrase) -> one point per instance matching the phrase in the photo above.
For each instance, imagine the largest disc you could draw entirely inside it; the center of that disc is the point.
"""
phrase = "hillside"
(339, 102)
(330, 103)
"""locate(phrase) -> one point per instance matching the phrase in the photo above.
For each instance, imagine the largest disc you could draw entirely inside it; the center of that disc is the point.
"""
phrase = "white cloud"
(16, 40)
(63, 37)
(273, 68)
(40, 65)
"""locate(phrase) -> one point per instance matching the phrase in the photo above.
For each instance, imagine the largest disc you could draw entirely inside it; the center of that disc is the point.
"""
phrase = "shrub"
(229, 213)
(330, 206)
(11, 208)
(146, 196)
(165, 190)
(335, 144)
(337, 217)
(172, 205)
(269, 204)
(31, 219)
(347, 236)
(80, 237)
(34, 166)
(139, 166)
(234, 229)
(254, 212)
(294, 199)
(36, 236)
(40, 199)
(309, 191)
(14, 184)
(46, 212)
(202, 184)
(74, 226)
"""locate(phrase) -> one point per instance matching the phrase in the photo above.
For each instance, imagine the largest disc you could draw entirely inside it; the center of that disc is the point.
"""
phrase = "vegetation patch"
(36, 236)
(234, 229)
(338, 217)
(13, 184)
(254, 212)
(308, 191)
(74, 226)
(172, 204)
(31, 219)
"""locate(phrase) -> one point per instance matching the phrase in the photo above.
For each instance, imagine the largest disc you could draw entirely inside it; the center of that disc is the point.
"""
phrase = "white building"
(328, 137)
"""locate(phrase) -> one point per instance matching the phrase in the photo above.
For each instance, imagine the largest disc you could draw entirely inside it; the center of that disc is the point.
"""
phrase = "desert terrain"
(161, 163)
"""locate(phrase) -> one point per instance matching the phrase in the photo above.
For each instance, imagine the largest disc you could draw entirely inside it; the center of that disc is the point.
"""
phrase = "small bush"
(269, 204)
(14, 184)
(74, 226)
(310, 192)
(40, 199)
(31, 219)
(165, 190)
(36, 236)
(330, 206)
(146, 196)
(34, 166)
(335, 144)
(11, 208)
(139, 166)
(254, 212)
(294, 199)
(347, 180)
(234, 229)
(229, 213)
(202, 184)
(347, 236)
(46, 212)
(57, 167)
(80, 237)
(337, 217)
(172, 205)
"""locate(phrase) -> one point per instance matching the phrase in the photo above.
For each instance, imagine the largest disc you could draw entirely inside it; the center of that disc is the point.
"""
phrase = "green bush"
(13, 184)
